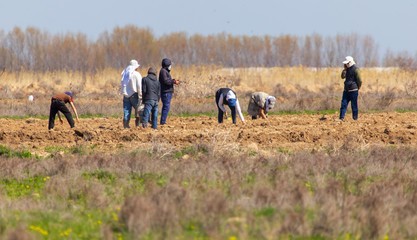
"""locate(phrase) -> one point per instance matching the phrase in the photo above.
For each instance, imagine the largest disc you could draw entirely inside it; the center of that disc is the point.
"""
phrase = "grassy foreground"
(201, 193)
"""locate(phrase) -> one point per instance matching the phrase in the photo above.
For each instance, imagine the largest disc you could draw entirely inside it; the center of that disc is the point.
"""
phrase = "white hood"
(127, 74)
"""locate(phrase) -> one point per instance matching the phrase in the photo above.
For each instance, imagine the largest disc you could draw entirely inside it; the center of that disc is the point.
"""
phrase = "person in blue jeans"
(130, 86)
(151, 90)
(167, 88)
(353, 83)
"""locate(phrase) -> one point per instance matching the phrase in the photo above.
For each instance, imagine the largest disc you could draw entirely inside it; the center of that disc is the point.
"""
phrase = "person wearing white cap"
(353, 83)
(259, 104)
(131, 89)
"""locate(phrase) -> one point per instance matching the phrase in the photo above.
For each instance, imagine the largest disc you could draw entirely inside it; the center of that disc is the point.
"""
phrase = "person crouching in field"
(259, 104)
(352, 83)
(228, 96)
(131, 89)
(151, 90)
(58, 102)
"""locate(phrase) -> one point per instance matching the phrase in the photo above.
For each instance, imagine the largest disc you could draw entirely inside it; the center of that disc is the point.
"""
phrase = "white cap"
(348, 60)
(134, 63)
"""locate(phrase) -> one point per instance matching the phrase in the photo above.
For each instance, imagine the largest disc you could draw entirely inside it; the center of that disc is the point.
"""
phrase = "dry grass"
(296, 88)
(201, 81)
(364, 192)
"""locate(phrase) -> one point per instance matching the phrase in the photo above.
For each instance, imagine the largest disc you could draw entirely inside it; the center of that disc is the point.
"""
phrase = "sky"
(392, 24)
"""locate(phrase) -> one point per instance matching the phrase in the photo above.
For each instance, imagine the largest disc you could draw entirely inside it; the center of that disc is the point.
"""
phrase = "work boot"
(126, 123)
(144, 125)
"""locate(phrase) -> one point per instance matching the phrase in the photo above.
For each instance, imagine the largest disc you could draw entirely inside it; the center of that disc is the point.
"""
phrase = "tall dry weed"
(368, 192)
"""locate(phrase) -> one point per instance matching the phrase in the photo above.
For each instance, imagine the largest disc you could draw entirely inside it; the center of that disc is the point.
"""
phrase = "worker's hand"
(61, 121)
(176, 81)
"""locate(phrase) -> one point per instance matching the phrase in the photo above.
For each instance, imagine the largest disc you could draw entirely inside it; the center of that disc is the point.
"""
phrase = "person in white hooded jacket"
(131, 89)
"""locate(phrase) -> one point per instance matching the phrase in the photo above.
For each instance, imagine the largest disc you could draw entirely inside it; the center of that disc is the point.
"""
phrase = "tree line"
(34, 50)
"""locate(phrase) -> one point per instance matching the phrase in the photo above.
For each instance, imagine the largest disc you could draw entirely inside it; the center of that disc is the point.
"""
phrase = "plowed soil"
(292, 132)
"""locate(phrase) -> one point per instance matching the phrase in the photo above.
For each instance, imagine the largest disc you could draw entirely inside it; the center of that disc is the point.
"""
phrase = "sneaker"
(339, 120)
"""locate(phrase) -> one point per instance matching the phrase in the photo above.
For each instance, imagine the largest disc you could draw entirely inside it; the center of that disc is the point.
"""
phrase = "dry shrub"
(161, 148)
(220, 144)
(159, 211)
(20, 233)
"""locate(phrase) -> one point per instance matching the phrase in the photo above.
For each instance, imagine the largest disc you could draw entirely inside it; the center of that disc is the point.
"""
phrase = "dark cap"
(70, 94)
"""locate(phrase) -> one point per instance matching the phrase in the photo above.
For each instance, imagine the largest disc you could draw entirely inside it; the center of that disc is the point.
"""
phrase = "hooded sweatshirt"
(167, 83)
(151, 88)
(131, 82)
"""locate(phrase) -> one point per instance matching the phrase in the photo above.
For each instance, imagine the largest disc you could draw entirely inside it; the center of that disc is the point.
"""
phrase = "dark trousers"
(166, 103)
(220, 114)
(58, 105)
(346, 98)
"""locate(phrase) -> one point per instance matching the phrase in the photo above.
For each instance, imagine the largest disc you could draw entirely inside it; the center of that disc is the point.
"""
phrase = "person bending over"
(259, 104)
(228, 96)
(58, 102)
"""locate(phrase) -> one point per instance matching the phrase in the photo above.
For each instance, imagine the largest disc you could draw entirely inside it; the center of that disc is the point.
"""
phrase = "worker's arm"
(220, 103)
(138, 80)
(358, 78)
(239, 111)
(166, 78)
(263, 113)
(343, 76)
(75, 111)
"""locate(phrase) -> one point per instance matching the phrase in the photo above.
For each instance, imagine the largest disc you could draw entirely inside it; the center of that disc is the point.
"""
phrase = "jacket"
(151, 88)
(167, 83)
(353, 78)
(257, 102)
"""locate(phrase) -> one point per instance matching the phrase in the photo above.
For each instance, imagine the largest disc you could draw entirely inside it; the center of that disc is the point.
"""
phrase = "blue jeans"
(151, 106)
(346, 98)
(166, 103)
(128, 103)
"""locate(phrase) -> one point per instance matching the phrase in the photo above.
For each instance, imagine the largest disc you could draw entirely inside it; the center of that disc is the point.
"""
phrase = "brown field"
(291, 132)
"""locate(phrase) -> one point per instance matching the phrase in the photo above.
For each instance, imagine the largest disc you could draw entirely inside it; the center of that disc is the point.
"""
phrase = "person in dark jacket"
(151, 90)
(228, 96)
(353, 83)
(167, 88)
(58, 102)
